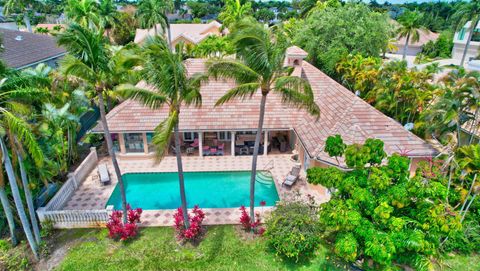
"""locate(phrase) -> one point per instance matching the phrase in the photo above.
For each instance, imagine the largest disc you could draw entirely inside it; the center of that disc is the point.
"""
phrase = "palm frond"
(163, 134)
(232, 69)
(71, 65)
(241, 91)
(23, 132)
(149, 98)
(297, 91)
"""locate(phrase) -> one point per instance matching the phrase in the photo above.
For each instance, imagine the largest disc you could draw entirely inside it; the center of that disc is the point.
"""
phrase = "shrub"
(246, 223)
(119, 231)
(292, 229)
(195, 231)
(47, 228)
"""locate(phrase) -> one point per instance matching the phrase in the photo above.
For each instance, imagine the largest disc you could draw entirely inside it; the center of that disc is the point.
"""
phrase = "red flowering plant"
(194, 232)
(247, 225)
(119, 231)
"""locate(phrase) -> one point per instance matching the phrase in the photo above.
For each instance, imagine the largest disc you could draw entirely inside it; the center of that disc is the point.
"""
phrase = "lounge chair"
(103, 174)
(292, 176)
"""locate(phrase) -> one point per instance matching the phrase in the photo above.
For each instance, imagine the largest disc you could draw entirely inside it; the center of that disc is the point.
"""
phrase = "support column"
(265, 142)
(121, 142)
(200, 143)
(145, 143)
(232, 148)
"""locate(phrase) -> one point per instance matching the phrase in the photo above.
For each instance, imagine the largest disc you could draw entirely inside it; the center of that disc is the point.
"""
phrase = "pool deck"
(92, 195)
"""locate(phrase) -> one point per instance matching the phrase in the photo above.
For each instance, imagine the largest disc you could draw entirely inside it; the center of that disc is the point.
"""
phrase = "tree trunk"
(8, 213)
(474, 126)
(111, 152)
(467, 45)
(18, 200)
(255, 156)
(169, 37)
(469, 193)
(26, 20)
(405, 48)
(28, 196)
(181, 179)
(468, 207)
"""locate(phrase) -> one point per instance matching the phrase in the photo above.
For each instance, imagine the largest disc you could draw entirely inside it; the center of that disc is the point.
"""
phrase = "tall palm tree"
(88, 60)
(6, 206)
(108, 13)
(18, 199)
(165, 70)
(234, 11)
(260, 67)
(467, 11)
(83, 12)
(410, 27)
(25, 6)
(153, 12)
(17, 95)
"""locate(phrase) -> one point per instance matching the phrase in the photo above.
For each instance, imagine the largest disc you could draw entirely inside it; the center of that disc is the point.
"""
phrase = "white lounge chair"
(103, 174)
(292, 176)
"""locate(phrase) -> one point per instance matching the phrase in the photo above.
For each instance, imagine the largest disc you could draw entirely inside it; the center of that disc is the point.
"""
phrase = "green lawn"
(221, 249)
(156, 249)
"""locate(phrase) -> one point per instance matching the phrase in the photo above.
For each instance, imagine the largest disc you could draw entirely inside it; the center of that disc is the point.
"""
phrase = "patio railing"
(74, 218)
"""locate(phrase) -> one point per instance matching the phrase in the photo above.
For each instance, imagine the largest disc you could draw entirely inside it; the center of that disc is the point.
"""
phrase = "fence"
(74, 218)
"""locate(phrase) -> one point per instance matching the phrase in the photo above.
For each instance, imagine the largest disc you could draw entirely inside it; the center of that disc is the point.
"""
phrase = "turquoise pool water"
(153, 191)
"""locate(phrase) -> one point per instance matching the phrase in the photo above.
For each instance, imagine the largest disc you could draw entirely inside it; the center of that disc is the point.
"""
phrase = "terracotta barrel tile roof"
(341, 113)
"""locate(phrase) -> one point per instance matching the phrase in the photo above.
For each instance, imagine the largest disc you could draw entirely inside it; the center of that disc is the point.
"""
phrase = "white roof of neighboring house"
(425, 36)
(192, 32)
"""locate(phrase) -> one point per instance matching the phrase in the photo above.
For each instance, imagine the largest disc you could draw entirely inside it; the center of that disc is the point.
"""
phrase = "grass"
(460, 262)
(157, 249)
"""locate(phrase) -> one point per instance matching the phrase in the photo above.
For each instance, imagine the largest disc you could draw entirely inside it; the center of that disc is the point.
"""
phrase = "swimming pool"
(154, 191)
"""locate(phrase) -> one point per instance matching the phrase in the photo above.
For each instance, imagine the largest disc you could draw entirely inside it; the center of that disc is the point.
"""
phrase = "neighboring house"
(26, 50)
(460, 40)
(415, 47)
(187, 33)
(286, 129)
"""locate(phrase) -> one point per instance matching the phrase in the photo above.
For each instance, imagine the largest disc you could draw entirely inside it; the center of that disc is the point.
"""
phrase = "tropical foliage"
(329, 34)
(380, 215)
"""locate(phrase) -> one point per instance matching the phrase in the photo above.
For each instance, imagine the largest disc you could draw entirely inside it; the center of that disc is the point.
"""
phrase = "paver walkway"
(92, 195)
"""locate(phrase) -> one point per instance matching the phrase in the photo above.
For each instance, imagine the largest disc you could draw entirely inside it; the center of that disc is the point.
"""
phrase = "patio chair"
(292, 176)
(206, 150)
(195, 143)
(221, 148)
(190, 150)
(213, 151)
(103, 174)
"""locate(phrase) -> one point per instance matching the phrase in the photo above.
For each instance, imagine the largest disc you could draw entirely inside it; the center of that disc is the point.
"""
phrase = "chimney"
(295, 56)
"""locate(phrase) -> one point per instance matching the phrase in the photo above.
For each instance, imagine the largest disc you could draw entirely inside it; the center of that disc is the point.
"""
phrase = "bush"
(117, 230)
(292, 229)
(195, 231)
(247, 225)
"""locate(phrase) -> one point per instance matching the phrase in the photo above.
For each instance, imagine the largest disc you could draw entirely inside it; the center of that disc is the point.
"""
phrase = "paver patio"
(91, 195)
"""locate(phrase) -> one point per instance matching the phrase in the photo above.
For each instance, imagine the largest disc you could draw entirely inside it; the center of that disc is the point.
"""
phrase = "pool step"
(264, 177)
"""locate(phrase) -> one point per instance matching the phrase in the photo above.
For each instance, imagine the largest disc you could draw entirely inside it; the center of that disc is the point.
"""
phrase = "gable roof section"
(192, 32)
(22, 49)
(341, 113)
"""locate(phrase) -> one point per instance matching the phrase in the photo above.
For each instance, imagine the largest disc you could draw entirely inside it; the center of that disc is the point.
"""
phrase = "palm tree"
(165, 70)
(469, 161)
(410, 27)
(25, 6)
(88, 60)
(467, 11)
(6, 206)
(83, 12)
(108, 13)
(259, 67)
(18, 199)
(153, 12)
(234, 11)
